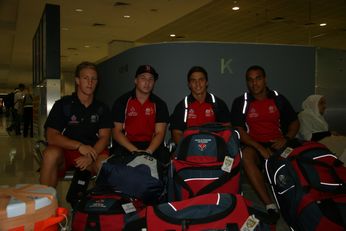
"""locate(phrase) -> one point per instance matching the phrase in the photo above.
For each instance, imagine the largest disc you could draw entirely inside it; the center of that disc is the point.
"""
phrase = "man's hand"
(83, 162)
(279, 143)
(87, 150)
(265, 152)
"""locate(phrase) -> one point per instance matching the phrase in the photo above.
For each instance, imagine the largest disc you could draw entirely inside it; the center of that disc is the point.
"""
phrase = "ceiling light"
(64, 28)
(235, 6)
(126, 16)
(172, 35)
(323, 24)
(87, 46)
(78, 10)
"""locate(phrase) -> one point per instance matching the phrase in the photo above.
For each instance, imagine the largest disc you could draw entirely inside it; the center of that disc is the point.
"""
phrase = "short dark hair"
(197, 69)
(84, 65)
(255, 68)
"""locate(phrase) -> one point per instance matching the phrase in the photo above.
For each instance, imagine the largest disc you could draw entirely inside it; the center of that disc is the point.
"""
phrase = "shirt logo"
(209, 113)
(192, 114)
(132, 112)
(271, 109)
(94, 118)
(73, 120)
(202, 143)
(253, 113)
(149, 111)
(202, 146)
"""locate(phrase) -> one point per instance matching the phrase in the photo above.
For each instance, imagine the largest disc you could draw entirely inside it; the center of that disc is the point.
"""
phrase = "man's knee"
(53, 155)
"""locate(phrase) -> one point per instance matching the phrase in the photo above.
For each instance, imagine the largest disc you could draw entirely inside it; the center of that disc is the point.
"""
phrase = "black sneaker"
(274, 215)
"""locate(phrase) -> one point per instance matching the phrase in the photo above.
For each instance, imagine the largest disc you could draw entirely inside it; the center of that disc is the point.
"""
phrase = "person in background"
(27, 113)
(199, 107)
(140, 117)
(266, 121)
(78, 130)
(313, 125)
(17, 112)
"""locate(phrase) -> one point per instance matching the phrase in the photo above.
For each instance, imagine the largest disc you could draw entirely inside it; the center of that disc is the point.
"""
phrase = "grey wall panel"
(290, 69)
(331, 82)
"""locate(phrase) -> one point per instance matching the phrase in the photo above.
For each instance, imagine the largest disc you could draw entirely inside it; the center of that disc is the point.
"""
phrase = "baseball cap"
(147, 69)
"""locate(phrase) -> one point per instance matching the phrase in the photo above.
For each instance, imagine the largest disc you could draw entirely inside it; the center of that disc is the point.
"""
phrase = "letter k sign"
(225, 66)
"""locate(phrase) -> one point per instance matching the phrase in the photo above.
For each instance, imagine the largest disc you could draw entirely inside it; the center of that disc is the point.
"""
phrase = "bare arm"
(246, 139)
(121, 138)
(103, 141)
(292, 131)
(159, 135)
(177, 135)
(54, 137)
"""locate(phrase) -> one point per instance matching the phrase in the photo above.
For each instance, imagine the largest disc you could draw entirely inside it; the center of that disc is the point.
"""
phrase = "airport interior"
(300, 44)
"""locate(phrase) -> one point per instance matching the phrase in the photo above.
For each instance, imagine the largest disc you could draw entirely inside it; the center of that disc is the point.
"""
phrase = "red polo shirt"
(200, 113)
(263, 120)
(139, 124)
(139, 119)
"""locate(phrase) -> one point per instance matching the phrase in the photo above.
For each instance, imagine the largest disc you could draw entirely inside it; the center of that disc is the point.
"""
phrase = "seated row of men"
(79, 127)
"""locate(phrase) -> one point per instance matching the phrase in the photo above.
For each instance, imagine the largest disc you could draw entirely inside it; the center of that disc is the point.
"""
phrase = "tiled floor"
(18, 165)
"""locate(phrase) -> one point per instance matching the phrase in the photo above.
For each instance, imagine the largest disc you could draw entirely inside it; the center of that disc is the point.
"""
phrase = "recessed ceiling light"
(172, 35)
(323, 24)
(121, 4)
(98, 24)
(78, 10)
(64, 28)
(87, 46)
(126, 16)
(235, 8)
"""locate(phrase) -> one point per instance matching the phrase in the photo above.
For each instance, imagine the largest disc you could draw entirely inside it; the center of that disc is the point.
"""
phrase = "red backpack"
(309, 184)
(207, 160)
(213, 211)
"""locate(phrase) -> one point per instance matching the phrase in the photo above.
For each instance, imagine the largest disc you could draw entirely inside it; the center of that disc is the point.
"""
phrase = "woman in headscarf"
(313, 126)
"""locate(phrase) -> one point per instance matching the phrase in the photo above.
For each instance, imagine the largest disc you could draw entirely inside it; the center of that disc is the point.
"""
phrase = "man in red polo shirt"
(266, 122)
(199, 107)
(140, 117)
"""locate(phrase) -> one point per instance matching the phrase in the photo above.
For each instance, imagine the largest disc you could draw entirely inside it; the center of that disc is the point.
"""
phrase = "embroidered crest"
(192, 114)
(202, 146)
(132, 112)
(73, 120)
(148, 111)
(209, 113)
(94, 118)
(202, 143)
(271, 109)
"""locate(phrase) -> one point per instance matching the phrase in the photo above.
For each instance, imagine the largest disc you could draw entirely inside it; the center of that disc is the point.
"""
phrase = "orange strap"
(31, 216)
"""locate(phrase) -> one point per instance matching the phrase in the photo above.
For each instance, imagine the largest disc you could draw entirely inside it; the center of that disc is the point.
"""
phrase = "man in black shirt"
(78, 130)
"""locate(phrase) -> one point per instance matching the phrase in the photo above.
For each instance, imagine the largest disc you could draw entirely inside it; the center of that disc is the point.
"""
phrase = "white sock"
(272, 206)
